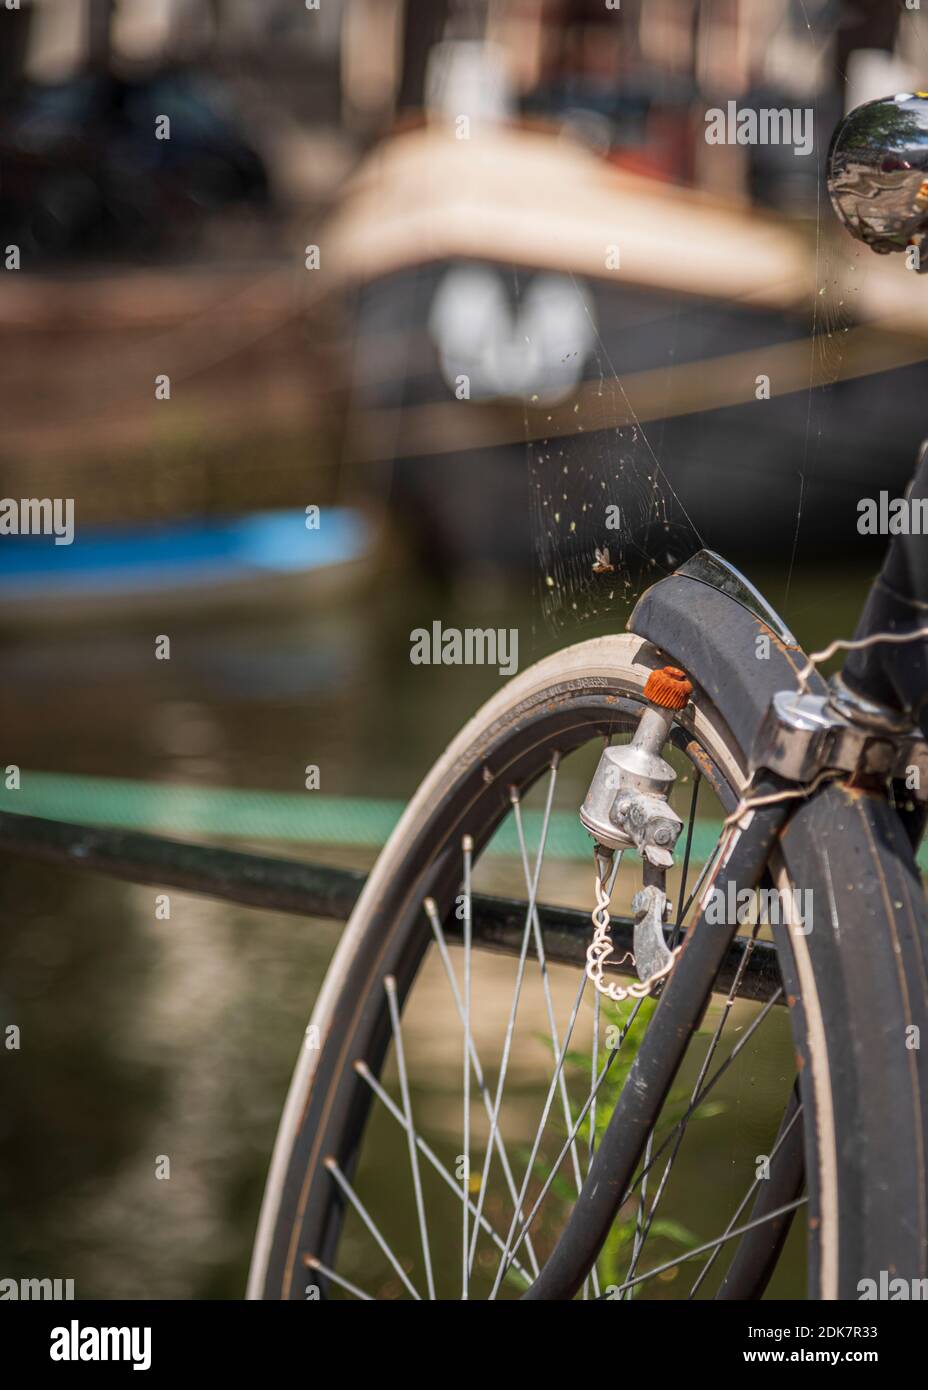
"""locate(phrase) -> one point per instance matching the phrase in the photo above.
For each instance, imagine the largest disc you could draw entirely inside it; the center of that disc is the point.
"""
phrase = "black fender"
(707, 618)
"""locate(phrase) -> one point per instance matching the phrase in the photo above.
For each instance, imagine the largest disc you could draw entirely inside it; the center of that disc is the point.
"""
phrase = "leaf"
(710, 1109)
(675, 1231)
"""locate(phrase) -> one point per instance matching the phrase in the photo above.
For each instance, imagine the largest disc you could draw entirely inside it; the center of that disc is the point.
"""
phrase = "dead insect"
(602, 564)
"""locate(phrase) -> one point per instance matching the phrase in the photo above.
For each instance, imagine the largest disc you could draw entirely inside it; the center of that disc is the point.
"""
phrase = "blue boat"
(237, 561)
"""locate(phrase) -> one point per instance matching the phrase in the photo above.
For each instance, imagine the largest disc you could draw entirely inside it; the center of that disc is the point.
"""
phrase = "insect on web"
(605, 520)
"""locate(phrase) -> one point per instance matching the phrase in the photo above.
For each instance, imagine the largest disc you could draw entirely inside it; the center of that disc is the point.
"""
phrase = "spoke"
(743, 1203)
(431, 911)
(369, 1222)
(591, 1148)
(517, 990)
(428, 1153)
(710, 1053)
(703, 873)
(468, 849)
(697, 781)
(742, 1042)
(571, 1138)
(641, 1230)
(390, 987)
(588, 1103)
(313, 1263)
(709, 1245)
(549, 1008)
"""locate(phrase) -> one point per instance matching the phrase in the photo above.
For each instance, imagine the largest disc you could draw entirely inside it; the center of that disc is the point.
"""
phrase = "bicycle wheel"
(400, 1171)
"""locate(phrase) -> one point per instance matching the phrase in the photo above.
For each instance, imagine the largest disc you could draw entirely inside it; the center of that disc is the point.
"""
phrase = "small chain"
(600, 949)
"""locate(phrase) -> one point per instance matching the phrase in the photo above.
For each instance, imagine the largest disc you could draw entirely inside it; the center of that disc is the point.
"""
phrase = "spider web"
(605, 519)
(606, 489)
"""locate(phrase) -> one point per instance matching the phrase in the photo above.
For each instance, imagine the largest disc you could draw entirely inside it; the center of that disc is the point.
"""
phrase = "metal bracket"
(804, 735)
(651, 954)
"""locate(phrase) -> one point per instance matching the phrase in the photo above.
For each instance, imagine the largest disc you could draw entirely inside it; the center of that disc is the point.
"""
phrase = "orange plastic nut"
(668, 687)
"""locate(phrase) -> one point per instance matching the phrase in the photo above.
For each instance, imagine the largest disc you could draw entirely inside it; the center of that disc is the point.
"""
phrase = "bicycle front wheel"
(459, 1068)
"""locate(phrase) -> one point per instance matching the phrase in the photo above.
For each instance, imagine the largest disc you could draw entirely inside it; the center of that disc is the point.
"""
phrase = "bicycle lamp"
(626, 805)
(878, 174)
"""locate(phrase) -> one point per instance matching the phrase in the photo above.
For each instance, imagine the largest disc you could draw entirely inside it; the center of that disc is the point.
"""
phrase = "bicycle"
(822, 790)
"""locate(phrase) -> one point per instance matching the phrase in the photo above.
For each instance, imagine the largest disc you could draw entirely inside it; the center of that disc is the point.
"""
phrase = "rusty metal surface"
(714, 639)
